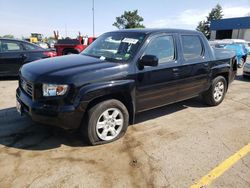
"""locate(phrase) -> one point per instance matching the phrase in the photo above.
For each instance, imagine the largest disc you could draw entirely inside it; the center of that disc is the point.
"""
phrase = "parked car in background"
(242, 42)
(72, 46)
(247, 48)
(246, 70)
(241, 54)
(51, 43)
(121, 74)
(43, 44)
(248, 44)
(14, 53)
(238, 48)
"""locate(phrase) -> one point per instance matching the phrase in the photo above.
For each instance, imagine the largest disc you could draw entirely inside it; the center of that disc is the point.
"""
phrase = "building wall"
(247, 35)
(236, 34)
(213, 35)
(241, 34)
(239, 26)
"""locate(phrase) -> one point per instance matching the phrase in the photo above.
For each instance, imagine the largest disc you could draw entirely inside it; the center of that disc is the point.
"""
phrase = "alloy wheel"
(219, 91)
(109, 124)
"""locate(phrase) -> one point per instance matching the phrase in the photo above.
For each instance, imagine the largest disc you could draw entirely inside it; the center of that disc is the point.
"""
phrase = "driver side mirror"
(148, 60)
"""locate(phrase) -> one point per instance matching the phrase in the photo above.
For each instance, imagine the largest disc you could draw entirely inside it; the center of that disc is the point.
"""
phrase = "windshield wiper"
(106, 58)
(98, 57)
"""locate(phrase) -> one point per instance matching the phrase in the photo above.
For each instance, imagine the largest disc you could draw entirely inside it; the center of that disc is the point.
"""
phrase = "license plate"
(19, 107)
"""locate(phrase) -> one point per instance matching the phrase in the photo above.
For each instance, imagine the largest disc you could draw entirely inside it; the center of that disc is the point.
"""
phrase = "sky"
(22, 17)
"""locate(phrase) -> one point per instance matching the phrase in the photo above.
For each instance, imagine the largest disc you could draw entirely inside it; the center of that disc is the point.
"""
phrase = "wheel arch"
(222, 70)
(223, 74)
(122, 91)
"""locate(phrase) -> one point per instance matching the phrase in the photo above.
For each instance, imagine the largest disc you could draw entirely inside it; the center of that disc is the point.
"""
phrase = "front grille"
(27, 86)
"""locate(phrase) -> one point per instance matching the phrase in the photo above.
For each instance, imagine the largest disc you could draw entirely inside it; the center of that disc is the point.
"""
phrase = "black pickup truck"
(121, 74)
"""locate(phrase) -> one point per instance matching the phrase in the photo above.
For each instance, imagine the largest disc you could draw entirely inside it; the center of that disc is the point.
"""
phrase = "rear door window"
(10, 46)
(31, 47)
(192, 47)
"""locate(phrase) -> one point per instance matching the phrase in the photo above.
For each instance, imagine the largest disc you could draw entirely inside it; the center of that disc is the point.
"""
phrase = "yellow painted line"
(221, 168)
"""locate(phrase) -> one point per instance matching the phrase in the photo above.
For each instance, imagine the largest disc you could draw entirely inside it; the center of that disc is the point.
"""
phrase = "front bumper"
(66, 117)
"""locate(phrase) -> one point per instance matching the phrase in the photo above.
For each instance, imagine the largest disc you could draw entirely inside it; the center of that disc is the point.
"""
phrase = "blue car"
(244, 43)
(240, 50)
(241, 53)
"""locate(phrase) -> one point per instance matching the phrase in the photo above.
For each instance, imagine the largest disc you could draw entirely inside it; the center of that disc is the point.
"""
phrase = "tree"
(215, 14)
(130, 19)
(204, 26)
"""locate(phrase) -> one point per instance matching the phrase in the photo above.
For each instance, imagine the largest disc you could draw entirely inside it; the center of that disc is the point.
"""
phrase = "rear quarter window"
(192, 47)
(31, 47)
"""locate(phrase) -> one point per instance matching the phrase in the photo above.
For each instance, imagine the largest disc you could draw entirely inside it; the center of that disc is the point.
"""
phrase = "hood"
(71, 69)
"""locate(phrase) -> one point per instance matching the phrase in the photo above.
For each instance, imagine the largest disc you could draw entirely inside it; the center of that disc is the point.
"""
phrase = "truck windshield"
(120, 46)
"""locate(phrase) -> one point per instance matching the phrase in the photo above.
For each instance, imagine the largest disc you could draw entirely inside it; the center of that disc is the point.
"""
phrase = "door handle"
(175, 72)
(175, 69)
(205, 64)
(23, 56)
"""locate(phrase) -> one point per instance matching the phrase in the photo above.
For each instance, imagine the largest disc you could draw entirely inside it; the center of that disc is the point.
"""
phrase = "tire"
(107, 121)
(216, 93)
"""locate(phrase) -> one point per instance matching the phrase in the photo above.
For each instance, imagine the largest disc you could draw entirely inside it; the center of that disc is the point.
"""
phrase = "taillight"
(50, 54)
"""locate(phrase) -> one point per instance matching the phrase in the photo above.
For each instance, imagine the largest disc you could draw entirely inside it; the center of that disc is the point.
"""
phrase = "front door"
(11, 58)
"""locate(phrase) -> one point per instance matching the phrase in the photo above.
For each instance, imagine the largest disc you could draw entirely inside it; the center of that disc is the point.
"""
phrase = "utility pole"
(93, 10)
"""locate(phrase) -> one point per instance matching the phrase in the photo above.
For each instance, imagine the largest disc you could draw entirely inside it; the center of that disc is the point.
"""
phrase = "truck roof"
(12, 39)
(163, 30)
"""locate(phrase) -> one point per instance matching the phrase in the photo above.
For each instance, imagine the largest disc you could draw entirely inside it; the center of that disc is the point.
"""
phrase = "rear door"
(32, 52)
(11, 57)
(194, 70)
(158, 85)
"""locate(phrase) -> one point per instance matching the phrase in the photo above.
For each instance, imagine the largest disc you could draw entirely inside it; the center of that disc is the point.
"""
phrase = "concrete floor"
(173, 146)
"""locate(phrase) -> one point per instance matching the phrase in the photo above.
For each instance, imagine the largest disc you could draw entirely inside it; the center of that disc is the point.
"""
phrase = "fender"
(93, 91)
(220, 69)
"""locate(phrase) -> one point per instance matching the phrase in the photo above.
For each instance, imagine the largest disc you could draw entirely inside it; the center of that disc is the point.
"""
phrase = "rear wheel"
(107, 122)
(216, 93)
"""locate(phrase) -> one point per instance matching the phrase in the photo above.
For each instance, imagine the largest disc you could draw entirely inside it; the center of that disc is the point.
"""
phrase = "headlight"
(54, 90)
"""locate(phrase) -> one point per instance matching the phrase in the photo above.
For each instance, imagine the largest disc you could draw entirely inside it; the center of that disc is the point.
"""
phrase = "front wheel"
(217, 91)
(107, 122)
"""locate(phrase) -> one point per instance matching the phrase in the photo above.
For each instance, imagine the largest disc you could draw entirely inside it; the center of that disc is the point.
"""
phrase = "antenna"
(93, 10)
(66, 31)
